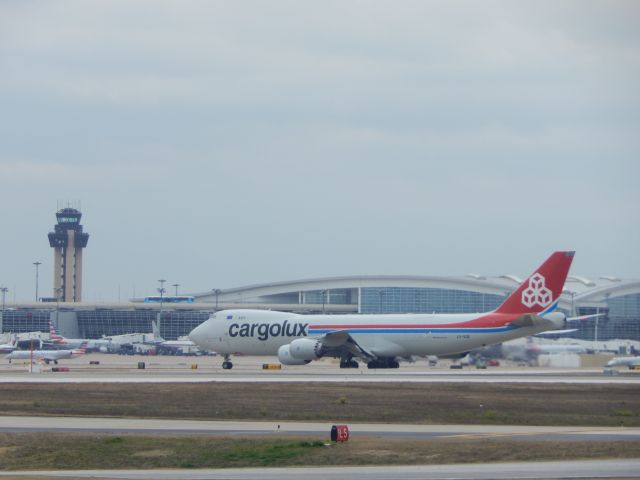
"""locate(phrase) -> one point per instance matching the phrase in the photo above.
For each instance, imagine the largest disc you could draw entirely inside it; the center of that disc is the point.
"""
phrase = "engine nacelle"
(306, 349)
(285, 358)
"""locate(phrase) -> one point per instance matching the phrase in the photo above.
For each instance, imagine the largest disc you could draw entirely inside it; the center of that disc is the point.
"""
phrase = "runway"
(124, 369)
(519, 470)
(190, 427)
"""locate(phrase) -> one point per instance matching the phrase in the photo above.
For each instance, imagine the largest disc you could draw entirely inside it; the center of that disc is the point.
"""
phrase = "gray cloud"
(239, 142)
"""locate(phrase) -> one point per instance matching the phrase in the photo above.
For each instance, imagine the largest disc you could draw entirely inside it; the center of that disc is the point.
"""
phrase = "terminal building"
(617, 300)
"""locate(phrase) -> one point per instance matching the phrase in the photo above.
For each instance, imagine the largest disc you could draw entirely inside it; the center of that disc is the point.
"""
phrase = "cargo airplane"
(382, 340)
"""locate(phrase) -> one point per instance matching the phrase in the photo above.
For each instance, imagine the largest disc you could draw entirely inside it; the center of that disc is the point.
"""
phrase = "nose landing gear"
(227, 364)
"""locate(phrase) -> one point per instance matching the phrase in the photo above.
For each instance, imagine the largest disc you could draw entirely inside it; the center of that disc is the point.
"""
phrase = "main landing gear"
(348, 362)
(383, 363)
(227, 364)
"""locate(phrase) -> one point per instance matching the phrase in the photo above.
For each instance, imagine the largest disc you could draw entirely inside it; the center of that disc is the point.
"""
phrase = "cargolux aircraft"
(382, 340)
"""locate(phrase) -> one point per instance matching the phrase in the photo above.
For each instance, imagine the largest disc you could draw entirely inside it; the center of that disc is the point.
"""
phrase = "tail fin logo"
(537, 293)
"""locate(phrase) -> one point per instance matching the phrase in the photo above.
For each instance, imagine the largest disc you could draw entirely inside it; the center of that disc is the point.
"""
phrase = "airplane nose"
(197, 334)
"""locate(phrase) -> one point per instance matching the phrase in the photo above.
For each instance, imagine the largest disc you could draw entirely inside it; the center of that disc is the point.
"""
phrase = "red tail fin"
(57, 339)
(540, 292)
(82, 350)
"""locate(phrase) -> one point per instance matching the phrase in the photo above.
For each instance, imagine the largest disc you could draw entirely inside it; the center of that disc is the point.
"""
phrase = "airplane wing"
(341, 341)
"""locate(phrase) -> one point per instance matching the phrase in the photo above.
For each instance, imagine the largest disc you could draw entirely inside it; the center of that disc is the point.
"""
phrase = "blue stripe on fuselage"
(315, 330)
(553, 306)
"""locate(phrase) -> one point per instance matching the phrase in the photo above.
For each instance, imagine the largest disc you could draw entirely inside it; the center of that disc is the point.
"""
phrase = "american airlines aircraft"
(46, 355)
(70, 343)
(382, 340)
(9, 347)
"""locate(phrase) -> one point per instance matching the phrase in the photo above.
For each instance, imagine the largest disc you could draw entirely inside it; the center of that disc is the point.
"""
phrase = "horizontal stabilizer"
(556, 332)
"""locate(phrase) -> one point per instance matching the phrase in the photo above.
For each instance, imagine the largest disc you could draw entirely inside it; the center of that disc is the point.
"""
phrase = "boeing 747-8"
(382, 340)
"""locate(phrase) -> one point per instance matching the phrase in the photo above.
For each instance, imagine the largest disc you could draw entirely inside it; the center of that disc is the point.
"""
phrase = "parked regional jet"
(62, 342)
(174, 346)
(630, 362)
(46, 355)
(10, 346)
(381, 340)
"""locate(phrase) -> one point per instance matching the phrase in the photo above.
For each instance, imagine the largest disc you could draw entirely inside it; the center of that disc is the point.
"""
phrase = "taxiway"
(190, 427)
(119, 369)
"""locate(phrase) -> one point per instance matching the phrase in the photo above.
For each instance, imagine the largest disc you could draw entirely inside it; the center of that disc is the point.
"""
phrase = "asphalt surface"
(166, 427)
(124, 369)
(537, 470)
(114, 368)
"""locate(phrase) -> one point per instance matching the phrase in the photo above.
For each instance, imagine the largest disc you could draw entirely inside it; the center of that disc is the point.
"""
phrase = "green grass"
(499, 404)
(38, 451)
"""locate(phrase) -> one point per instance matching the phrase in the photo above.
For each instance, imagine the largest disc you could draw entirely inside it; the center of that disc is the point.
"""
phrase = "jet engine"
(306, 349)
(285, 358)
(300, 351)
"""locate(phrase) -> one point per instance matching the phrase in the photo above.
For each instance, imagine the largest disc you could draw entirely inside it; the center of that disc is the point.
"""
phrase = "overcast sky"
(225, 143)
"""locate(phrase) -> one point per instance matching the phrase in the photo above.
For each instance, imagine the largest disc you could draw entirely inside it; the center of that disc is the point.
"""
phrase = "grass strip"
(493, 404)
(36, 451)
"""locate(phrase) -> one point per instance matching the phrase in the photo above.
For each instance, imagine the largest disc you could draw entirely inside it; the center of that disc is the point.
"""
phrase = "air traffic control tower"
(67, 241)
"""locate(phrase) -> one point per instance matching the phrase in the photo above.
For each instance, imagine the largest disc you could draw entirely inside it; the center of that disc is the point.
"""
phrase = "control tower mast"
(67, 241)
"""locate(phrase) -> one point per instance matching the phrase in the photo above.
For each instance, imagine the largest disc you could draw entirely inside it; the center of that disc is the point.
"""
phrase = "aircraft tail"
(539, 294)
(55, 337)
(81, 350)
(155, 329)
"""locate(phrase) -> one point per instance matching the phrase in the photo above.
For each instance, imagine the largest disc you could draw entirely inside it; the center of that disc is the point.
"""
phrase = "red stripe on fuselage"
(486, 321)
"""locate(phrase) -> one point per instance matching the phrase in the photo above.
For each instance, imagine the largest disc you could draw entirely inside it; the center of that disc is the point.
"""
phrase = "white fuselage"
(7, 348)
(624, 361)
(71, 343)
(49, 355)
(261, 332)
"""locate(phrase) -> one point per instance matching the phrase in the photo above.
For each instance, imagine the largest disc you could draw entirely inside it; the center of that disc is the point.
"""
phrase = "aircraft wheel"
(227, 365)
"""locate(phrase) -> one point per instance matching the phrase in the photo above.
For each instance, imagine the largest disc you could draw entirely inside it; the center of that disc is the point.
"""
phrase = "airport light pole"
(176, 285)
(37, 264)
(217, 291)
(4, 293)
(161, 291)
(58, 293)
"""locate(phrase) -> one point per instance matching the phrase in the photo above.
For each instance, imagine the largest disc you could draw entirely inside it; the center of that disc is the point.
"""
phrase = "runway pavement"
(520, 470)
(124, 369)
(114, 368)
(166, 427)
